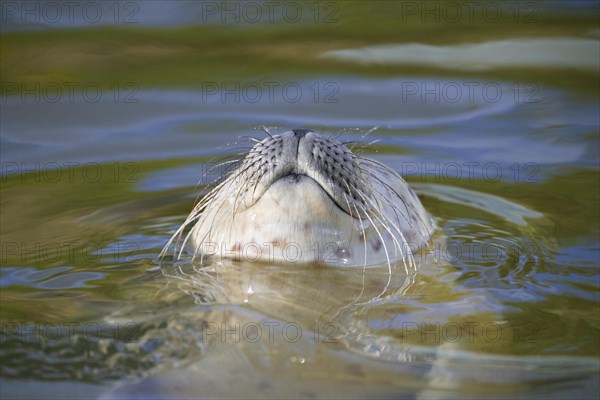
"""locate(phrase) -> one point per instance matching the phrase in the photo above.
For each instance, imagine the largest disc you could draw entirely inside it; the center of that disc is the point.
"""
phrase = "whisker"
(266, 130)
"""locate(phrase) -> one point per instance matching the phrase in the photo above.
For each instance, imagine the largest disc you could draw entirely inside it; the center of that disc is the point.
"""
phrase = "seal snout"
(302, 152)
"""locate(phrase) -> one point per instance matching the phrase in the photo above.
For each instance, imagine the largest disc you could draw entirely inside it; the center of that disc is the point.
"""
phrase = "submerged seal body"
(300, 197)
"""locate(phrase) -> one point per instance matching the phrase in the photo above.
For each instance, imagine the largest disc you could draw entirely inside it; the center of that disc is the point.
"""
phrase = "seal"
(300, 197)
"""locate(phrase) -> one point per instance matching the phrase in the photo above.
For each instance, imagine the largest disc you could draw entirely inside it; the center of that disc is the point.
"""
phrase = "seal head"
(300, 197)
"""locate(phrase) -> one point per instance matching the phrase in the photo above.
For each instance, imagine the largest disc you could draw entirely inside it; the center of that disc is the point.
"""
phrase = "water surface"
(505, 158)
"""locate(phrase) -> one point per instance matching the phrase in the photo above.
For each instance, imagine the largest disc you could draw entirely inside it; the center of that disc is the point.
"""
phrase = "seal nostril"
(300, 133)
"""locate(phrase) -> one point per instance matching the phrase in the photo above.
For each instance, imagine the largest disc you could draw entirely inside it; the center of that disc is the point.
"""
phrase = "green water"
(503, 154)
